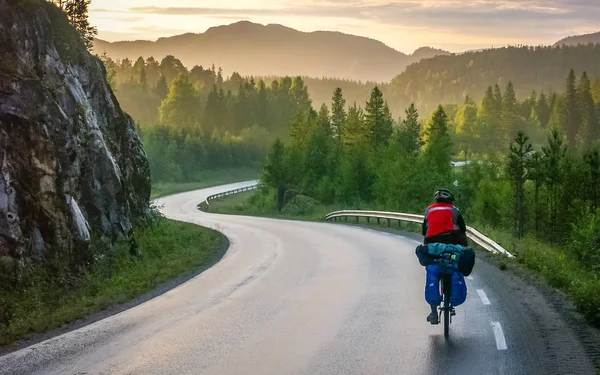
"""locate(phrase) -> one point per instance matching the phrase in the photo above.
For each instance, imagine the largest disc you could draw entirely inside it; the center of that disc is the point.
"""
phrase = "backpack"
(454, 257)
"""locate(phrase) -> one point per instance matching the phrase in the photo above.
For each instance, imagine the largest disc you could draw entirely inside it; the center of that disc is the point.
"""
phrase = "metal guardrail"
(230, 192)
(481, 240)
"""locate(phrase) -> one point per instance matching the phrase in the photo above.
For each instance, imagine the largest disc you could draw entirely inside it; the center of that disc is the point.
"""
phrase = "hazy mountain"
(427, 53)
(254, 49)
(579, 39)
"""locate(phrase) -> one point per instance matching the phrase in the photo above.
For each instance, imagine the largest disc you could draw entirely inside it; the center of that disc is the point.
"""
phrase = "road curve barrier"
(476, 236)
(230, 192)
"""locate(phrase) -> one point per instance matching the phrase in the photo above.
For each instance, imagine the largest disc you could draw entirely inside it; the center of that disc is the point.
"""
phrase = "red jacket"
(443, 218)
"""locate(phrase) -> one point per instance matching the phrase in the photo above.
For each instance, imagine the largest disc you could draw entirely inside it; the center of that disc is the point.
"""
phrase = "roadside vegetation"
(167, 249)
(533, 183)
(205, 179)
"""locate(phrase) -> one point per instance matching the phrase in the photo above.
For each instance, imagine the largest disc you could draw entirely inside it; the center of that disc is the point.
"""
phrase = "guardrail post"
(368, 219)
(388, 220)
(346, 217)
(379, 221)
(357, 219)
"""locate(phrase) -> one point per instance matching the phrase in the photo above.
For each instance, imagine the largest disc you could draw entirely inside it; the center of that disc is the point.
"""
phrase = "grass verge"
(205, 179)
(255, 203)
(167, 249)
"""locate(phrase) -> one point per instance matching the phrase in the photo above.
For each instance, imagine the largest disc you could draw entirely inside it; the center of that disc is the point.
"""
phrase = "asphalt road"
(313, 298)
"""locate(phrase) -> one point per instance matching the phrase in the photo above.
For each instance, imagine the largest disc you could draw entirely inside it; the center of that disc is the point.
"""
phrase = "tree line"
(547, 188)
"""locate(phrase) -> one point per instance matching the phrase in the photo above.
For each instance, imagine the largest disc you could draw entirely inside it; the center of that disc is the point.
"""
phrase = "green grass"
(167, 250)
(254, 203)
(206, 179)
(558, 267)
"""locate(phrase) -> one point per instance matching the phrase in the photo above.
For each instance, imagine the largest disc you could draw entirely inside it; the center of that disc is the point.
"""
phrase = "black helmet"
(444, 195)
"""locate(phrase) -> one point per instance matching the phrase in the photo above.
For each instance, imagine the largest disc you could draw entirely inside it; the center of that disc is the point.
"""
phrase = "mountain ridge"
(593, 38)
(242, 47)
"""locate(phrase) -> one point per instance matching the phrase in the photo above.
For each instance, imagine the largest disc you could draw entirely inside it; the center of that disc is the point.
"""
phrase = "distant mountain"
(579, 39)
(427, 53)
(254, 49)
(447, 79)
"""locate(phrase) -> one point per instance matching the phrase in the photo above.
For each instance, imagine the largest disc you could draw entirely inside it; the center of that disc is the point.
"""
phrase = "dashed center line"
(499, 334)
(483, 296)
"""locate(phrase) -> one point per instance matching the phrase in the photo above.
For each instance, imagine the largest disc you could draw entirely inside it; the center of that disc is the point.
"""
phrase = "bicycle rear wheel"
(447, 289)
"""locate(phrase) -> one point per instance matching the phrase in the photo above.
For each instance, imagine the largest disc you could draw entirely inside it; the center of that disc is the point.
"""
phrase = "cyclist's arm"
(461, 223)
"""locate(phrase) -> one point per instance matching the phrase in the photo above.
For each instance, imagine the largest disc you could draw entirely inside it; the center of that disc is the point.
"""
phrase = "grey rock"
(72, 167)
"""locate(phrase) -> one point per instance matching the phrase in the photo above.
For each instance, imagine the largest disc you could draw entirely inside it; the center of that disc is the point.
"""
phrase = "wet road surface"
(309, 298)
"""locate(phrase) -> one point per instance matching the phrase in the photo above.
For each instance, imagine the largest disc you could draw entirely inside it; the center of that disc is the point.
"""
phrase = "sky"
(453, 25)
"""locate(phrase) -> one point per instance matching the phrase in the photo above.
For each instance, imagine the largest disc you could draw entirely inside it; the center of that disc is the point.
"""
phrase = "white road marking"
(470, 278)
(499, 334)
(483, 296)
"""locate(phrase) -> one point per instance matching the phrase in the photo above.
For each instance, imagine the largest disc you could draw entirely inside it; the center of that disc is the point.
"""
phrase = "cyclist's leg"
(432, 292)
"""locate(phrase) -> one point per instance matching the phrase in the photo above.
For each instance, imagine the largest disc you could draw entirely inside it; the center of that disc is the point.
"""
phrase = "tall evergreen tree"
(466, 126)
(588, 131)
(543, 110)
(516, 171)
(378, 119)
(438, 146)
(143, 80)
(323, 120)
(276, 173)
(161, 89)
(572, 118)
(180, 108)
(77, 14)
(355, 130)
(510, 112)
(554, 159)
(488, 115)
(338, 114)
(409, 135)
(592, 189)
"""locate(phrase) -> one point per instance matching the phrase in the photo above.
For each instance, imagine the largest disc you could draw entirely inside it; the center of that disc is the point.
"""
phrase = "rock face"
(72, 168)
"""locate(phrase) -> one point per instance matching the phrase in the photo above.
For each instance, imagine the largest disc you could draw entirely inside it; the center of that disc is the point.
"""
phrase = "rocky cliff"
(73, 172)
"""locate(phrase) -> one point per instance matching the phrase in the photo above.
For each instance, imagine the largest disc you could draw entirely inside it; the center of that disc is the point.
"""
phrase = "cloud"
(468, 21)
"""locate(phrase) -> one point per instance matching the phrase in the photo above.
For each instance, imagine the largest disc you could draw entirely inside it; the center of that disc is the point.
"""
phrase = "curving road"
(313, 298)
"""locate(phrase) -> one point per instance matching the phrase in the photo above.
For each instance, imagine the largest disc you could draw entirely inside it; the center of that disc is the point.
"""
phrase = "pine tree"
(572, 118)
(588, 131)
(438, 146)
(180, 108)
(378, 119)
(276, 172)
(263, 106)
(338, 115)
(543, 110)
(596, 90)
(323, 120)
(592, 161)
(161, 89)
(488, 116)
(466, 126)
(77, 14)
(510, 114)
(554, 157)
(143, 80)
(409, 135)
(355, 130)
(516, 171)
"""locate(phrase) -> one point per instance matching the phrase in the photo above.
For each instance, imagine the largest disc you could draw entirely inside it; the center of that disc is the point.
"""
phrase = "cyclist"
(443, 223)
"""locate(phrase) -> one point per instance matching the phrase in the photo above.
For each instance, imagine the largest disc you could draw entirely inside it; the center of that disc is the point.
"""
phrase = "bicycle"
(446, 309)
